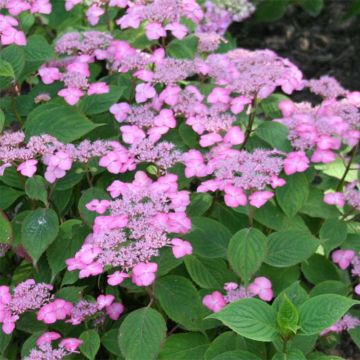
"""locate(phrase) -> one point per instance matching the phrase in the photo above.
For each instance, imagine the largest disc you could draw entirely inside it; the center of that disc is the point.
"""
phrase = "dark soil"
(323, 45)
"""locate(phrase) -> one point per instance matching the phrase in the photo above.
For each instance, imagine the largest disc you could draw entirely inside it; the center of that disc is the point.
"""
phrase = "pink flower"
(178, 30)
(277, 182)
(165, 118)
(234, 136)
(357, 289)
(69, 4)
(219, 96)
(12, 36)
(100, 206)
(132, 134)
(214, 302)
(170, 95)
(117, 278)
(98, 88)
(104, 301)
(287, 107)
(27, 168)
(143, 92)
(181, 248)
(154, 31)
(47, 314)
(143, 274)
(120, 111)
(70, 344)
(61, 160)
(295, 162)
(335, 198)
(47, 338)
(261, 287)
(260, 198)
(209, 139)
(93, 14)
(234, 196)
(115, 310)
(71, 95)
(144, 75)
(49, 74)
(323, 156)
(342, 258)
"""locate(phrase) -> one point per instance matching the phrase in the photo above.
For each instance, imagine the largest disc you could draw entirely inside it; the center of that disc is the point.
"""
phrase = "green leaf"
(271, 10)
(6, 69)
(38, 230)
(330, 287)
(91, 343)
(295, 293)
(141, 334)
(14, 55)
(29, 344)
(333, 232)
(355, 335)
(315, 206)
(180, 301)
(35, 188)
(294, 194)
(6, 233)
(200, 203)
(63, 121)
(287, 316)
(295, 354)
(190, 138)
(4, 342)
(184, 346)
(318, 269)
(217, 237)
(275, 134)
(183, 49)
(251, 318)
(8, 196)
(86, 197)
(247, 250)
(67, 243)
(110, 341)
(71, 293)
(312, 7)
(337, 169)
(353, 10)
(290, 247)
(236, 355)
(208, 273)
(96, 104)
(166, 261)
(2, 121)
(320, 312)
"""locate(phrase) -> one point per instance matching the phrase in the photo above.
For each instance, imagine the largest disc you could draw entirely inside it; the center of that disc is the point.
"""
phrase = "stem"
(15, 112)
(347, 169)
(285, 348)
(251, 216)
(250, 123)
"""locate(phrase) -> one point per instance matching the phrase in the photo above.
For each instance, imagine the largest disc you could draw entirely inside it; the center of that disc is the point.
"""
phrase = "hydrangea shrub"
(164, 195)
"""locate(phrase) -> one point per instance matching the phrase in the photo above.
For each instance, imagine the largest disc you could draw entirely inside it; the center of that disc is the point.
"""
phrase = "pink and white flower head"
(214, 301)
(70, 344)
(260, 198)
(261, 287)
(143, 274)
(343, 258)
(181, 248)
(104, 301)
(47, 338)
(114, 310)
(28, 168)
(335, 198)
(117, 278)
(295, 162)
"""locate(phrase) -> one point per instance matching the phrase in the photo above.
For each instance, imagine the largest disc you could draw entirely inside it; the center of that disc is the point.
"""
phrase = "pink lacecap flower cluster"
(346, 257)
(45, 349)
(261, 287)
(350, 196)
(347, 322)
(138, 224)
(26, 296)
(9, 33)
(245, 178)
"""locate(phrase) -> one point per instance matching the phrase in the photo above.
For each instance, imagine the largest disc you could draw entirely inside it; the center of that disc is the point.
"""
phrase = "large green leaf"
(183, 49)
(91, 343)
(208, 237)
(294, 194)
(271, 10)
(333, 232)
(35, 188)
(180, 301)
(320, 312)
(64, 122)
(38, 230)
(275, 134)
(251, 318)
(290, 247)
(246, 251)
(8, 196)
(141, 334)
(6, 69)
(6, 233)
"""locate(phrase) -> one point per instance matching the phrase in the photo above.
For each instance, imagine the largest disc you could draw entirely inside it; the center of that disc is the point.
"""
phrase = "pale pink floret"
(335, 198)
(295, 162)
(99, 206)
(260, 198)
(210, 139)
(132, 134)
(143, 92)
(114, 310)
(238, 104)
(234, 196)
(154, 31)
(277, 182)
(47, 338)
(219, 96)
(323, 156)
(343, 258)
(214, 302)
(28, 168)
(143, 274)
(98, 88)
(104, 301)
(120, 111)
(117, 278)
(234, 136)
(261, 287)
(178, 30)
(71, 344)
(71, 95)
(357, 289)
(287, 107)
(181, 248)
(49, 74)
